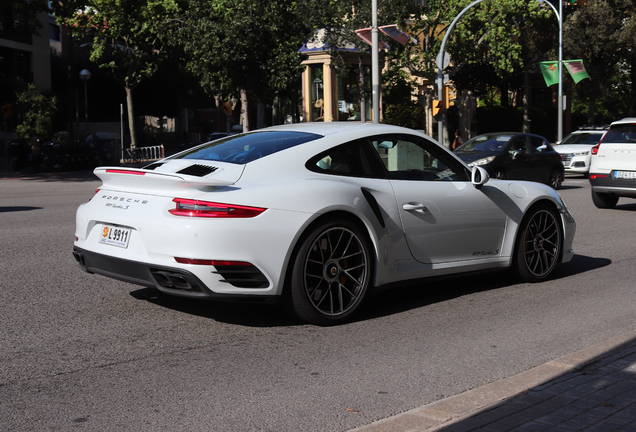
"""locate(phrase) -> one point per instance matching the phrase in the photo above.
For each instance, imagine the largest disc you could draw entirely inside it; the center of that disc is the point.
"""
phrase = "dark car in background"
(514, 156)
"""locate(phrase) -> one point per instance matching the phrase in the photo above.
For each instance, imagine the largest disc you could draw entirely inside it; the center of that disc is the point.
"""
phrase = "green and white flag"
(576, 69)
(550, 71)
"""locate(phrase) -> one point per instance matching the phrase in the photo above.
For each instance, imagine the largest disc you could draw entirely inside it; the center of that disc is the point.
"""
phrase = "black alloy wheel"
(539, 244)
(331, 274)
(556, 178)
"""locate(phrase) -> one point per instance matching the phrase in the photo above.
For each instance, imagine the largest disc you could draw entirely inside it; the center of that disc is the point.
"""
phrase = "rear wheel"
(603, 200)
(556, 178)
(538, 244)
(331, 273)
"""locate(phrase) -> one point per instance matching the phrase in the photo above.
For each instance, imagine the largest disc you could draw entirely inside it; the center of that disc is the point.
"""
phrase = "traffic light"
(446, 98)
(437, 107)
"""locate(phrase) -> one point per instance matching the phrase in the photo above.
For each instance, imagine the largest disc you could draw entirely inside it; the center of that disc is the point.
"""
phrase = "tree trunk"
(245, 111)
(131, 117)
(504, 95)
(363, 103)
(591, 109)
(260, 116)
(526, 99)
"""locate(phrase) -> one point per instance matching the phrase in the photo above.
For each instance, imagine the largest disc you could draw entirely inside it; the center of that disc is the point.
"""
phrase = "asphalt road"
(83, 352)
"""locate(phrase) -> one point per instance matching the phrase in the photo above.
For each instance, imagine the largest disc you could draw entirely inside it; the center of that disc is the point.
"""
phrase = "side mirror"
(479, 177)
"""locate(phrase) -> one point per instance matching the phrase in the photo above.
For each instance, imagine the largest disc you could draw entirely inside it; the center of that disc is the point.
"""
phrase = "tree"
(246, 47)
(129, 37)
(36, 112)
(602, 34)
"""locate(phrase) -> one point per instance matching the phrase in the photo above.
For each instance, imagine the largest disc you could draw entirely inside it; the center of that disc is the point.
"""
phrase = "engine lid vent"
(198, 170)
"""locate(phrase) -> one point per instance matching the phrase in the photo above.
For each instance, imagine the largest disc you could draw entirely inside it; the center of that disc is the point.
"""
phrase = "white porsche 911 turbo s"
(318, 214)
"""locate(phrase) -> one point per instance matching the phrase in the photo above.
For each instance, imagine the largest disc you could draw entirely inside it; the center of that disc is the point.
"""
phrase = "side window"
(351, 159)
(408, 157)
(537, 145)
(518, 144)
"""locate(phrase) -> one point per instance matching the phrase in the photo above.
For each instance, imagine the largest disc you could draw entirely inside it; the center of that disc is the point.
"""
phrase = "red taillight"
(121, 171)
(194, 208)
(595, 148)
(595, 176)
(211, 262)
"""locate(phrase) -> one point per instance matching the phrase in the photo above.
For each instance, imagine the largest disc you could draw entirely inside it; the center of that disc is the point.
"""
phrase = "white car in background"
(613, 168)
(575, 149)
(318, 214)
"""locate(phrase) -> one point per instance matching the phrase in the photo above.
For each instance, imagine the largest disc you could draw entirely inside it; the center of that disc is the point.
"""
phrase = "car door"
(518, 159)
(540, 158)
(444, 217)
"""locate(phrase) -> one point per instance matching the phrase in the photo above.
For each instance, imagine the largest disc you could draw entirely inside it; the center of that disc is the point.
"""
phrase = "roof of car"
(626, 120)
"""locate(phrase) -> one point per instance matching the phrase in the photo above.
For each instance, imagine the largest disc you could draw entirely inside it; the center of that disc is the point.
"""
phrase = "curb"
(434, 416)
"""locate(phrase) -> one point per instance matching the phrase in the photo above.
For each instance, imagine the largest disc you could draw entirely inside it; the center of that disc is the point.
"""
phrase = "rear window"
(624, 133)
(245, 148)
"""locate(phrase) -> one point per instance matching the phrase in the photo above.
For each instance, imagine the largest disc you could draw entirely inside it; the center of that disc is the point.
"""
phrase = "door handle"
(418, 207)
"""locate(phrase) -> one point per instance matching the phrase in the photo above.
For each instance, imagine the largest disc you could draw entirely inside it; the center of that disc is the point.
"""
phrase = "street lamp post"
(440, 67)
(85, 75)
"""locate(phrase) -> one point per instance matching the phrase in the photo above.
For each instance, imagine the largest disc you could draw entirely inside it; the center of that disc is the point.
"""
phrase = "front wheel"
(331, 274)
(538, 244)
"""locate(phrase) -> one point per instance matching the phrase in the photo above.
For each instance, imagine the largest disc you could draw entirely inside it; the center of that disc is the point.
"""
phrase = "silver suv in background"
(575, 148)
(613, 164)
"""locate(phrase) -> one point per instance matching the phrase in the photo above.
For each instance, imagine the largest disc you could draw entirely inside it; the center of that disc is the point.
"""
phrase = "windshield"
(486, 143)
(583, 138)
(245, 148)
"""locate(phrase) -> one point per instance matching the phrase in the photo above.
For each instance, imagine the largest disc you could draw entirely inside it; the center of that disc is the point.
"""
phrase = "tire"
(603, 200)
(539, 244)
(556, 179)
(500, 174)
(331, 273)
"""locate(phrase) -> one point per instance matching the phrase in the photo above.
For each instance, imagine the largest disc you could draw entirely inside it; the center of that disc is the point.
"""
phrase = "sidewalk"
(591, 390)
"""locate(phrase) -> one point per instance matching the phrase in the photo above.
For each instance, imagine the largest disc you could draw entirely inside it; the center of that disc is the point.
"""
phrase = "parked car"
(514, 156)
(613, 164)
(575, 149)
(318, 214)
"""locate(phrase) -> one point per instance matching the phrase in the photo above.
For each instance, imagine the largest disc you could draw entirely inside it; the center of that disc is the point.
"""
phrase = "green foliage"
(129, 37)
(36, 112)
(410, 116)
(246, 44)
(601, 35)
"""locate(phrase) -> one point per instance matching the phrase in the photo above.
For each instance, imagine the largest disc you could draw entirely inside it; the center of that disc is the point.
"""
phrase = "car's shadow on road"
(385, 302)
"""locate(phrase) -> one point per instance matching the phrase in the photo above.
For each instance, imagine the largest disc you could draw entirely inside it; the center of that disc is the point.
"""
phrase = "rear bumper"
(173, 281)
(610, 185)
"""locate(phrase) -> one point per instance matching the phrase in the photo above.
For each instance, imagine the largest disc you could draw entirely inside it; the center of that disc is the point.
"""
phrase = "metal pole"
(560, 103)
(86, 107)
(440, 69)
(375, 63)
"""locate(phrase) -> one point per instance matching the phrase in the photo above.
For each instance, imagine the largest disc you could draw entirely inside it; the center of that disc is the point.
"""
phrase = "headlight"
(583, 153)
(483, 161)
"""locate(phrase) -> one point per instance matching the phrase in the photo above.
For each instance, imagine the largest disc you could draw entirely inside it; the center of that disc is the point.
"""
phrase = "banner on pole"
(550, 71)
(576, 69)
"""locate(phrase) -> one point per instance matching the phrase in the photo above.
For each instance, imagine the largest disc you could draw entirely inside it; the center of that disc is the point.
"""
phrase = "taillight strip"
(195, 208)
(121, 171)
(194, 261)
